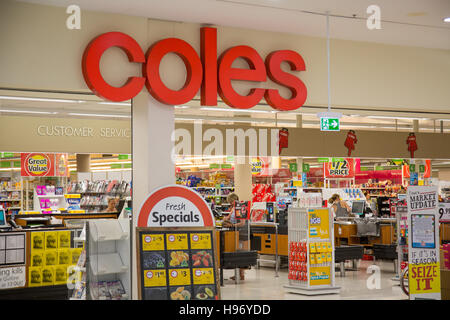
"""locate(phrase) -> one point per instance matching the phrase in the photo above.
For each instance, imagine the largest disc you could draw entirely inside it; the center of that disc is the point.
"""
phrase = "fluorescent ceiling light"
(28, 111)
(447, 19)
(101, 163)
(116, 103)
(236, 110)
(401, 118)
(195, 166)
(181, 107)
(38, 99)
(9, 169)
(109, 169)
(99, 115)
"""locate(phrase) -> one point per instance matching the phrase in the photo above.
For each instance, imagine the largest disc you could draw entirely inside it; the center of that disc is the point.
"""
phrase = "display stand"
(108, 253)
(311, 252)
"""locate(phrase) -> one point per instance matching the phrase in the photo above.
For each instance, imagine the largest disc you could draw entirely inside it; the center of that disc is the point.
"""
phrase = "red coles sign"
(204, 73)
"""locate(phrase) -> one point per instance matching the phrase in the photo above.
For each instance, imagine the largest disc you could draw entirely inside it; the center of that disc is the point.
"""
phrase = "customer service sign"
(423, 243)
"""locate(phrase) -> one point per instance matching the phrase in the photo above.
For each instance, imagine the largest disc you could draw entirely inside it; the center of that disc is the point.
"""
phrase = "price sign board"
(177, 263)
(423, 246)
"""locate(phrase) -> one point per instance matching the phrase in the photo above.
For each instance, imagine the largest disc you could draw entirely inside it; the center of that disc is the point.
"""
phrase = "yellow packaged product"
(34, 276)
(318, 258)
(64, 256)
(36, 259)
(312, 247)
(48, 276)
(51, 240)
(37, 241)
(64, 239)
(312, 259)
(329, 257)
(60, 274)
(329, 247)
(50, 257)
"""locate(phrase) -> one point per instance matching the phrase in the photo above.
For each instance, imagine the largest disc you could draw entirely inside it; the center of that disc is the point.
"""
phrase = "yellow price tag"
(203, 276)
(76, 211)
(154, 278)
(72, 196)
(200, 241)
(179, 277)
(177, 241)
(152, 242)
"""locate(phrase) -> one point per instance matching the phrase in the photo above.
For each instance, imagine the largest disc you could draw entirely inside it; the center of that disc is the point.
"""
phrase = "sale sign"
(343, 168)
(318, 223)
(423, 245)
(37, 165)
(444, 212)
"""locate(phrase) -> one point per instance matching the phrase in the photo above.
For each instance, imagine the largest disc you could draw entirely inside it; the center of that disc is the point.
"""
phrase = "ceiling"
(404, 22)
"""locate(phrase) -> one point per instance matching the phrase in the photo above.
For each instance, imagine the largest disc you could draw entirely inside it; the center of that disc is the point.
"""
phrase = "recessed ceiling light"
(447, 19)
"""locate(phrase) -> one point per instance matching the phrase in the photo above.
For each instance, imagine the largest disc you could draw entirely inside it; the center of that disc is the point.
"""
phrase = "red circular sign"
(175, 191)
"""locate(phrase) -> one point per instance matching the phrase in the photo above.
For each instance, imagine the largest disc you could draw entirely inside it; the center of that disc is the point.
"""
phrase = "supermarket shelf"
(49, 196)
(108, 230)
(2, 200)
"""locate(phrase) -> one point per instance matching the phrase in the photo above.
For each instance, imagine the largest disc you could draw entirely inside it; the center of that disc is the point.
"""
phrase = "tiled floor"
(261, 284)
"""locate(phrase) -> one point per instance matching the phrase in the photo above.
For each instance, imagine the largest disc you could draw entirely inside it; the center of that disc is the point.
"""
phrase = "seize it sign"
(206, 73)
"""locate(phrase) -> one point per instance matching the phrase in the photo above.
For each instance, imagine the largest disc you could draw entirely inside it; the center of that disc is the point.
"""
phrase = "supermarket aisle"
(262, 285)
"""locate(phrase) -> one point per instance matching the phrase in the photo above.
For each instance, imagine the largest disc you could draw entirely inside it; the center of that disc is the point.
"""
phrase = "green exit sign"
(329, 124)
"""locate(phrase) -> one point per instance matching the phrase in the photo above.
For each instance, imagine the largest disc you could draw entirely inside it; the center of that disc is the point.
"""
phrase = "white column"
(152, 125)
(243, 180)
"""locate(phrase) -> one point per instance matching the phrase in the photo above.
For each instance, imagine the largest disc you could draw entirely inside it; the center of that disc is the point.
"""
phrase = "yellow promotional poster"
(319, 276)
(64, 256)
(37, 259)
(76, 252)
(200, 241)
(152, 242)
(60, 274)
(177, 241)
(203, 276)
(73, 274)
(50, 257)
(318, 224)
(34, 276)
(154, 278)
(51, 240)
(424, 278)
(179, 277)
(48, 276)
(37, 241)
(63, 239)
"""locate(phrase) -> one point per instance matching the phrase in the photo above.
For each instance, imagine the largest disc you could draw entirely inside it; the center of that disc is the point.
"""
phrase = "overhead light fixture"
(37, 99)
(10, 169)
(28, 111)
(116, 103)
(447, 19)
(99, 115)
(236, 110)
(390, 117)
(181, 107)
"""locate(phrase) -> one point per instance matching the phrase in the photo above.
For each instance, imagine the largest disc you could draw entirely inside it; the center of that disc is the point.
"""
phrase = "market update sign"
(175, 206)
(423, 245)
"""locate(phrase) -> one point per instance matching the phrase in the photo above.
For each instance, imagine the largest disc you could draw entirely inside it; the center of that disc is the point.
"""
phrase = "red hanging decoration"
(350, 141)
(412, 144)
(283, 137)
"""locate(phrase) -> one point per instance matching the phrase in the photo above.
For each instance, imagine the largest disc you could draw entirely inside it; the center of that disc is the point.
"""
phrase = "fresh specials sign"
(175, 206)
(423, 245)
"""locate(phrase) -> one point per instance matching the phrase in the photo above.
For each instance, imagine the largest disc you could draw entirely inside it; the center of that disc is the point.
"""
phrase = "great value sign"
(423, 245)
(175, 206)
(206, 73)
(44, 165)
(343, 168)
(13, 277)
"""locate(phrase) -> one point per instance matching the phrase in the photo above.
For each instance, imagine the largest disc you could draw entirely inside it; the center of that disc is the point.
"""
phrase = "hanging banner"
(62, 165)
(423, 245)
(37, 165)
(343, 168)
(260, 166)
(175, 206)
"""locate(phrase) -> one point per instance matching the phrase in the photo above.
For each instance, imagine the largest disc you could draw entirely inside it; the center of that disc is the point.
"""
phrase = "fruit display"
(202, 259)
(152, 260)
(204, 293)
(179, 259)
(180, 294)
